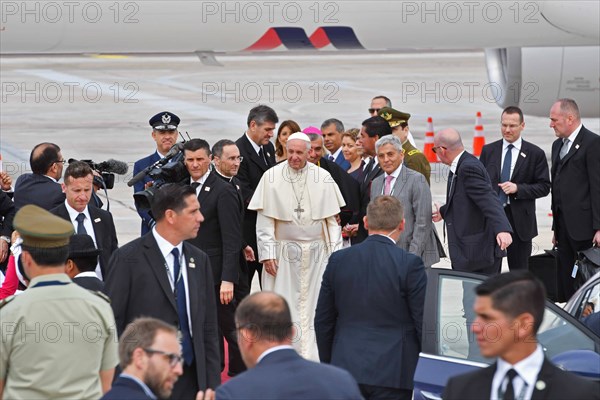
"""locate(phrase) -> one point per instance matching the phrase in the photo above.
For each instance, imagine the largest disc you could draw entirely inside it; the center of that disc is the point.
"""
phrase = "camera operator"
(164, 132)
(220, 236)
(87, 219)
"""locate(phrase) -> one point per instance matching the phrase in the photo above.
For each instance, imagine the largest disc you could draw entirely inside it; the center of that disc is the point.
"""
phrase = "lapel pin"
(268, 154)
(238, 187)
(576, 146)
(540, 385)
(207, 189)
(97, 220)
(523, 154)
(192, 263)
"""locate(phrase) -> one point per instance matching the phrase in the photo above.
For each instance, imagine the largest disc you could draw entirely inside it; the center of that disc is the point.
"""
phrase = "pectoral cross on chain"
(299, 211)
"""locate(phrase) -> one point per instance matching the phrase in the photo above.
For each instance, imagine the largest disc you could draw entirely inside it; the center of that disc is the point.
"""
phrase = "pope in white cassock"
(296, 229)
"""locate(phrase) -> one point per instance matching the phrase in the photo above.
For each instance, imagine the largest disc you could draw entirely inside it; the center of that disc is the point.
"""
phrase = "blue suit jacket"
(39, 190)
(125, 388)
(370, 312)
(283, 374)
(139, 166)
(473, 216)
(342, 162)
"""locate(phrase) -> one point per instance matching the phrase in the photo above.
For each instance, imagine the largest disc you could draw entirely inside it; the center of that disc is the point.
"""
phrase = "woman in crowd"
(286, 128)
(353, 154)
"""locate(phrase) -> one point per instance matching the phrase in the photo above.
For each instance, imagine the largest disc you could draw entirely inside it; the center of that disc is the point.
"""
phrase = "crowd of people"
(338, 227)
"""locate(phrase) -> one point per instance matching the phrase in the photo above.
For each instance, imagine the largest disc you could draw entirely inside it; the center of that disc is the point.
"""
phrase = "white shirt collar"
(272, 350)
(454, 163)
(49, 177)
(202, 178)
(164, 245)
(73, 213)
(256, 147)
(528, 370)
(159, 154)
(573, 135)
(229, 178)
(396, 172)
(86, 274)
(516, 144)
(336, 153)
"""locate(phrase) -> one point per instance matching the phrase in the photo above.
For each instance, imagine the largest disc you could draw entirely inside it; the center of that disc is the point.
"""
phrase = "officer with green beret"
(413, 158)
(58, 340)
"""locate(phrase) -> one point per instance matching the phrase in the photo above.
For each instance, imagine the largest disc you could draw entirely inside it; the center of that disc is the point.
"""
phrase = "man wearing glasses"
(379, 102)
(41, 187)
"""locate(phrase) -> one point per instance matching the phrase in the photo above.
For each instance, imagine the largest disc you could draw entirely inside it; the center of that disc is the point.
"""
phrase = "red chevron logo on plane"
(340, 37)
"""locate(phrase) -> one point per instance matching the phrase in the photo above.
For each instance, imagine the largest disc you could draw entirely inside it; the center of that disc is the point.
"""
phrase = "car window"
(557, 335)
(589, 303)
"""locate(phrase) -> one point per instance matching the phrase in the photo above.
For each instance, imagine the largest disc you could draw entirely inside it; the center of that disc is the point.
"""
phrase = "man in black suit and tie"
(478, 230)
(259, 155)
(575, 190)
(160, 275)
(512, 305)
(87, 219)
(332, 130)
(370, 310)
(221, 238)
(82, 261)
(519, 174)
(372, 129)
(41, 187)
(275, 370)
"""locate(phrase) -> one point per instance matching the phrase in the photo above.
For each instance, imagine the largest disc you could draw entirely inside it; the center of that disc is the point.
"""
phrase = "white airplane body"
(536, 51)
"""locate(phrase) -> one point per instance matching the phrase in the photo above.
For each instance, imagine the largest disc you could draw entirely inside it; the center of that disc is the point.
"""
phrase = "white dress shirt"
(89, 228)
(336, 153)
(395, 174)
(572, 137)
(272, 350)
(166, 248)
(200, 181)
(527, 369)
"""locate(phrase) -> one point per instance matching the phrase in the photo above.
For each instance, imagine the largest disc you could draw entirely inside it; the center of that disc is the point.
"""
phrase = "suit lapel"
(191, 278)
(157, 263)
(575, 146)
(543, 381)
(377, 186)
(97, 225)
(206, 188)
(401, 180)
(523, 153)
(454, 179)
(254, 155)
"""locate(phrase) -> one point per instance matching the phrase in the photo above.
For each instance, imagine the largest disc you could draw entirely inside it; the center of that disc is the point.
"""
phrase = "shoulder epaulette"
(413, 152)
(101, 295)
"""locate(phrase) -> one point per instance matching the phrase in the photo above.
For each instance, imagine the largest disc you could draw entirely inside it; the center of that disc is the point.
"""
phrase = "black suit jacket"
(365, 198)
(39, 190)
(104, 230)
(138, 285)
(370, 312)
(125, 388)
(7, 214)
(559, 385)
(348, 186)
(532, 178)
(249, 174)
(220, 234)
(90, 283)
(473, 217)
(576, 185)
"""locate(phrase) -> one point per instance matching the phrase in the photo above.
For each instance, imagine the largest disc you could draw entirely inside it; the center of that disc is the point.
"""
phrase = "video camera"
(107, 170)
(169, 169)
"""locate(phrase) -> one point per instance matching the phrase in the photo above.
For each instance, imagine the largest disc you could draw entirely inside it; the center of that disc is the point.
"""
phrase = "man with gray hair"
(332, 130)
(296, 230)
(370, 308)
(478, 230)
(412, 190)
(575, 190)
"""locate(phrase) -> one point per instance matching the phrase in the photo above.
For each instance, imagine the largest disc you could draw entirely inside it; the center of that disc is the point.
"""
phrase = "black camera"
(107, 170)
(170, 169)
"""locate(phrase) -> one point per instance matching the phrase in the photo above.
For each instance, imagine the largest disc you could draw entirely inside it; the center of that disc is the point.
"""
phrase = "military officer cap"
(164, 121)
(394, 117)
(39, 228)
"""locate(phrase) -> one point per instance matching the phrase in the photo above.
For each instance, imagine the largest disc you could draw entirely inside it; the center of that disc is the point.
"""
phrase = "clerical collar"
(254, 145)
(227, 178)
(454, 163)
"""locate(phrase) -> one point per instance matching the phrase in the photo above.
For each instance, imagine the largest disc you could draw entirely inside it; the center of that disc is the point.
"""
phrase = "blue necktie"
(80, 227)
(505, 175)
(186, 342)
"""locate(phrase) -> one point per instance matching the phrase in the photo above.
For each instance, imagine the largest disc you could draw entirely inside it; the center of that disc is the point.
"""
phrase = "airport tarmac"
(97, 107)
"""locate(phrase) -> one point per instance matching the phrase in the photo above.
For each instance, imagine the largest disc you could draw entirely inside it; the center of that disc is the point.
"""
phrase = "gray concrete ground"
(97, 107)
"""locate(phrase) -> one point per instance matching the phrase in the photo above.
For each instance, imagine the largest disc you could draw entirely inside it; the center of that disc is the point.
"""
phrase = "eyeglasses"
(174, 359)
(435, 149)
(374, 110)
(63, 162)
(234, 159)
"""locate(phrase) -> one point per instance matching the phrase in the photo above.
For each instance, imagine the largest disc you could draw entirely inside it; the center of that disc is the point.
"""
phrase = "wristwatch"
(5, 238)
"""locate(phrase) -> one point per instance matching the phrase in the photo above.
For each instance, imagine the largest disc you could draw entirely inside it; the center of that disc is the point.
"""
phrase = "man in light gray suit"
(411, 188)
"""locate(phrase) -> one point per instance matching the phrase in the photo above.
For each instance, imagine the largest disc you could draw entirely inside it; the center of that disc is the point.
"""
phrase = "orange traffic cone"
(428, 148)
(479, 136)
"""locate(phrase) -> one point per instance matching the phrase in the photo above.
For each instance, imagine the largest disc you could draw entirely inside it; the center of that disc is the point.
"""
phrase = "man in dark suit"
(150, 359)
(160, 275)
(275, 370)
(7, 214)
(41, 187)
(85, 218)
(519, 174)
(575, 190)
(478, 231)
(82, 261)
(332, 130)
(164, 133)
(512, 305)
(221, 238)
(370, 309)
(259, 155)
(372, 129)
(348, 186)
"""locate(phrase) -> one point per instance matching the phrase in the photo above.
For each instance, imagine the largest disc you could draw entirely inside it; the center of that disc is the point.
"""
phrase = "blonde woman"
(285, 129)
